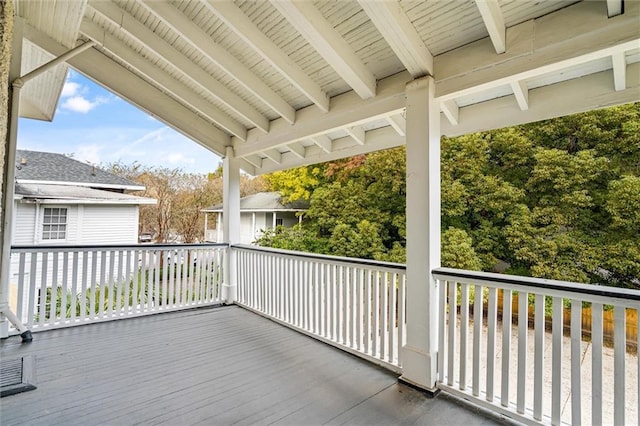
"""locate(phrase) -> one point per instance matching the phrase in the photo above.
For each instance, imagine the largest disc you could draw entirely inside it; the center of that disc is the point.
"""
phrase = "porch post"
(423, 233)
(231, 222)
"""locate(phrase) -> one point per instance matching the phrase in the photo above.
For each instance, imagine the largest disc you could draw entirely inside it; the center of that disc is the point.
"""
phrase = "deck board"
(221, 365)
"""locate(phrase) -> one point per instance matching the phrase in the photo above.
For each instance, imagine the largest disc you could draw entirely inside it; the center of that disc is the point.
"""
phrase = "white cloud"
(70, 89)
(81, 104)
(180, 158)
(89, 153)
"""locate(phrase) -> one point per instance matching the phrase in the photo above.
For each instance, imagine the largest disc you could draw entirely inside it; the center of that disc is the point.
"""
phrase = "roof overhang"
(289, 83)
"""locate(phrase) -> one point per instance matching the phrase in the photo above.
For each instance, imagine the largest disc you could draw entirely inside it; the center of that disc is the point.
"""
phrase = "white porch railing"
(357, 305)
(60, 286)
(543, 376)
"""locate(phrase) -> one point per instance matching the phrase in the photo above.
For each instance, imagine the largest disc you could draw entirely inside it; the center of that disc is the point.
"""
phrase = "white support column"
(231, 222)
(423, 234)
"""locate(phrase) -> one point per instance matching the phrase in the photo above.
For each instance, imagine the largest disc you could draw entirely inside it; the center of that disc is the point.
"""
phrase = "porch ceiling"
(288, 83)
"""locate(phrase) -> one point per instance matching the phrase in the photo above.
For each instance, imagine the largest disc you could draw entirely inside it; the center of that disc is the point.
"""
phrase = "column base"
(419, 369)
(229, 293)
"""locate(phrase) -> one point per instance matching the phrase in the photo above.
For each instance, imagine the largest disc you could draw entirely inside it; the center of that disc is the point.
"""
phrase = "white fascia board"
(221, 57)
(138, 92)
(321, 35)
(582, 94)
(242, 26)
(494, 22)
(378, 139)
(82, 184)
(89, 201)
(401, 35)
(182, 63)
(347, 110)
(162, 79)
(574, 35)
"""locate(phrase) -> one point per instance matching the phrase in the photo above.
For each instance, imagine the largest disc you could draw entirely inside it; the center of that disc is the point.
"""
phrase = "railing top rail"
(98, 247)
(540, 283)
(323, 257)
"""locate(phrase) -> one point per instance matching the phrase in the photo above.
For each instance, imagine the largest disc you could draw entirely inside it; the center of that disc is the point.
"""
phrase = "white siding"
(24, 224)
(109, 225)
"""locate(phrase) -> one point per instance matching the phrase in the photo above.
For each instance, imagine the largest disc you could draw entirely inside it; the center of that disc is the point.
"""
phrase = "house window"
(279, 222)
(54, 223)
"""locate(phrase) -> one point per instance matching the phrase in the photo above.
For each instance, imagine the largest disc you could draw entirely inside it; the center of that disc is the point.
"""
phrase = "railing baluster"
(53, 305)
(477, 337)
(401, 317)
(93, 285)
(64, 292)
(376, 315)
(576, 358)
(42, 296)
(451, 350)
(442, 325)
(492, 319)
(22, 287)
(506, 346)
(32, 290)
(120, 284)
(538, 357)
(384, 315)
(556, 374)
(74, 285)
(619, 352)
(392, 316)
(112, 265)
(464, 332)
(523, 325)
(596, 363)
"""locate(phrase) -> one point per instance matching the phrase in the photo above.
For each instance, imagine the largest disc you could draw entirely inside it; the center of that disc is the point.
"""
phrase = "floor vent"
(17, 375)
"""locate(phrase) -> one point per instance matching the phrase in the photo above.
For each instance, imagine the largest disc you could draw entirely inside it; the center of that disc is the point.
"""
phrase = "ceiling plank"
(237, 21)
(221, 57)
(138, 92)
(297, 149)
(494, 22)
(619, 70)
(401, 35)
(149, 39)
(321, 35)
(521, 92)
(357, 133)
(162, 79)
(323, 141)
(450, 110)
(399, 124)
(347, 110)
(614, 8)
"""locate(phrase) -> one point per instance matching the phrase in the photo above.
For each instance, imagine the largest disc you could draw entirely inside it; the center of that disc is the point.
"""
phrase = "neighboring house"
(258, 212)
(62, 201)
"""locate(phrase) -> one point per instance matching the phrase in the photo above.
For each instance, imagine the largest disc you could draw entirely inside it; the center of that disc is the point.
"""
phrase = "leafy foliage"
(556, 199)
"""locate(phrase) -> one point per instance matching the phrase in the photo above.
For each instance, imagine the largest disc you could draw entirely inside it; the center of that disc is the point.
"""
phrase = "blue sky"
(98, 127)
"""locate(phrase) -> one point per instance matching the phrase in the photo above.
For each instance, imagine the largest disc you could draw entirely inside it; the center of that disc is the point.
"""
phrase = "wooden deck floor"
(209, 366)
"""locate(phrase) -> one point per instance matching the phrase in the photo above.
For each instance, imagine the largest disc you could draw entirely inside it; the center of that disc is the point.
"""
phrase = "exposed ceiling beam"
(347, 110)
(321, 35)
(378, 139)
(494, 22)
(450, 110)
(357, 133)
(238, 22)
(273, 155)
(323, 141)
(521, 92)
(297, 149)
(128, 86)
(580, 33)
(614, 8)
(254, 160)
(399, 124)
(221, 57)
(150, 40)
(399, 32)
(556, 100)
(619, 70)
(162, 79)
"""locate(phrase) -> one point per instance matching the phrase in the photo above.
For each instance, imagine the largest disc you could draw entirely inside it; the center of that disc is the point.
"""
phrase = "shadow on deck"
(210, 366)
